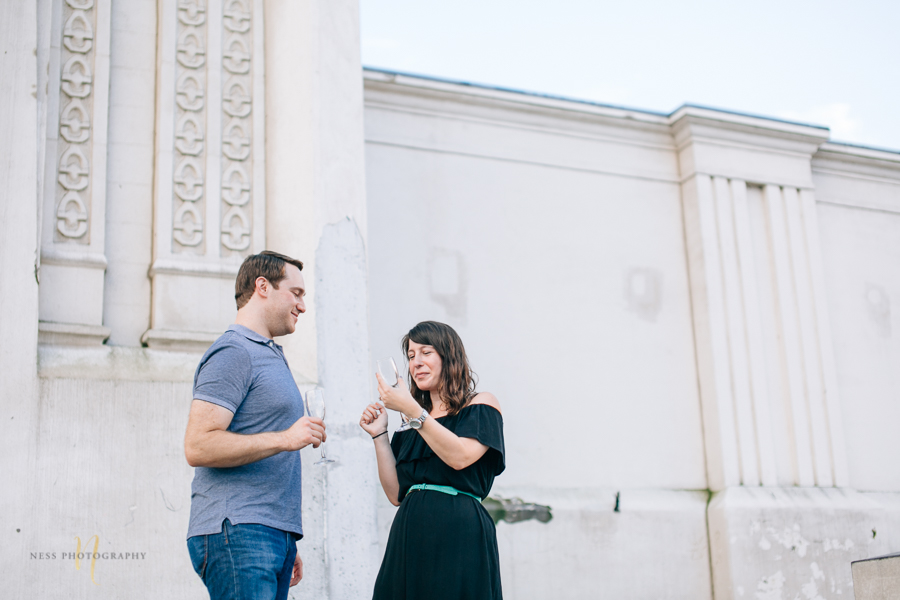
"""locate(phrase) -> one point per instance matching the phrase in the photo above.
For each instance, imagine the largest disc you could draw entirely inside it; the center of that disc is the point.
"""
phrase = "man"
(245, 426)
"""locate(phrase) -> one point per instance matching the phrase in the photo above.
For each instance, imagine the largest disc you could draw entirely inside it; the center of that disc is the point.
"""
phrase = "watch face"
(415, 423)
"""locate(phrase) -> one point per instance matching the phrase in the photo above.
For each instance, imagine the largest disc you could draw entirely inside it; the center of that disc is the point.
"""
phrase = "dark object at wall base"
(514, 510)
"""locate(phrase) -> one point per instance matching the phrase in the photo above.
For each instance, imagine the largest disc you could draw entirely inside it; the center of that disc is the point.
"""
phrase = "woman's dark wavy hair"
(458, 380)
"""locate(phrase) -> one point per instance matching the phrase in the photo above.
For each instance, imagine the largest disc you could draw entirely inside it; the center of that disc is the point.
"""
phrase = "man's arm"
(208, 443)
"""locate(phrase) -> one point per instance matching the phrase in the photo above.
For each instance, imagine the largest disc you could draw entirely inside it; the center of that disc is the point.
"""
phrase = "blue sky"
(824, 62)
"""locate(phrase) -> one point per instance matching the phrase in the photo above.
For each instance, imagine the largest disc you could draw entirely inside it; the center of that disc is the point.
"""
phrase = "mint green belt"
(446, 489)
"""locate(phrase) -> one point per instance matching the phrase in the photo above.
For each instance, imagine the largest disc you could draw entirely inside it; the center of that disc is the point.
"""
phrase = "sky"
(825, 62)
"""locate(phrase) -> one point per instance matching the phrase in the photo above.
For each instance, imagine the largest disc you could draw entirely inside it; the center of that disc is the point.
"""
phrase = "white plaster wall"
(567, 285)
(107, 460)
(551, 236)
(859, 220)
(589, 551)
(553, 243)
(119, 474)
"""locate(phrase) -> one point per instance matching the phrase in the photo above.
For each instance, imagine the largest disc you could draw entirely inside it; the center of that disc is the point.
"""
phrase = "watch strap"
(420, 419)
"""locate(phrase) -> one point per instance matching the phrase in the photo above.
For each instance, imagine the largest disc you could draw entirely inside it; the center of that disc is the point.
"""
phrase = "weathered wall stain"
(878, 306)
(643, 292)
(447, 281)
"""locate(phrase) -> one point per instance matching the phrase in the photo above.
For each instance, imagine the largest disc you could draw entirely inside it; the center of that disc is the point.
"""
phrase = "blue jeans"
(244, 562)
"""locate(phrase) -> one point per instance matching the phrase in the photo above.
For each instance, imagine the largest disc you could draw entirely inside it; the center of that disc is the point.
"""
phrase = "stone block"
(787, 542)
(72, 293)
(639, 544)
(876, 578)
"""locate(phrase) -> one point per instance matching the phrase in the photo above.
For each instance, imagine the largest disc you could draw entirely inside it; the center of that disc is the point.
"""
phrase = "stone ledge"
(71, 334)
(116, 363)
(179, 341)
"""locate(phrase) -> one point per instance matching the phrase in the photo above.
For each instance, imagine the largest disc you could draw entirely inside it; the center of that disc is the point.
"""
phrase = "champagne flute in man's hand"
(315, 407)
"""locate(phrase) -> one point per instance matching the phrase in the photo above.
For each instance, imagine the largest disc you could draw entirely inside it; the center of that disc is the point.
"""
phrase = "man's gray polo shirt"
(248, 374)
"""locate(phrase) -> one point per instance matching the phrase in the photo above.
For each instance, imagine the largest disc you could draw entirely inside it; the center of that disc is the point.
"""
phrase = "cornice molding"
(858, 161)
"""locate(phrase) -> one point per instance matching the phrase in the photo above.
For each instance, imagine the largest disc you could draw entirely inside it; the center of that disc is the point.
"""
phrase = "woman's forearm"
(457, 452)
(387, 469)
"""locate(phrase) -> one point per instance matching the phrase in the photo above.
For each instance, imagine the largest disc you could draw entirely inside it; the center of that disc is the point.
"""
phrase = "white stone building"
(690, 319)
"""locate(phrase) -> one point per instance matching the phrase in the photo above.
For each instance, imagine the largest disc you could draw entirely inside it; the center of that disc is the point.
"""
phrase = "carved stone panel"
(72, 237)
(209, 208)
(75, 146)
(189, 157)
(237, 127)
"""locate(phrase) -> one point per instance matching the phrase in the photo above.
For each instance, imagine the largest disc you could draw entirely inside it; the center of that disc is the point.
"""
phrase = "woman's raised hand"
(374, 419)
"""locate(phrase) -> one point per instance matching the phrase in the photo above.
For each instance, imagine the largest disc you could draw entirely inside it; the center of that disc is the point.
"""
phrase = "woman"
(443, 544)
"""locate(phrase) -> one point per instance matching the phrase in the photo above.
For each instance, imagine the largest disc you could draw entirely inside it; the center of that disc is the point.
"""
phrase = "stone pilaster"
(764, 353)
(20, 152)
(73, 261)
(209, 196)
(317, 212)
(771, 412)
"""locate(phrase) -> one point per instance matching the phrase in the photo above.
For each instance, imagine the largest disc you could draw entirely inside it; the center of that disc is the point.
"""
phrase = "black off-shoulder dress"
(444, 547)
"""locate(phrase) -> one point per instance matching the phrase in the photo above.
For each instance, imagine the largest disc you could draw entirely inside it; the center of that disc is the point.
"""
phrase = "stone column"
(316, 211)
(209, 200)
(766, 364)
(19, 202)
(132, 132)
(73, 260)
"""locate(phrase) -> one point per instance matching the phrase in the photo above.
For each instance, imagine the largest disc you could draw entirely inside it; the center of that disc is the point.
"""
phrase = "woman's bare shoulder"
(487, 398)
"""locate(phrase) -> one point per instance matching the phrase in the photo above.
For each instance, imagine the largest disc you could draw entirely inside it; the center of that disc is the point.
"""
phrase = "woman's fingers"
(381, 382)
(370, 414)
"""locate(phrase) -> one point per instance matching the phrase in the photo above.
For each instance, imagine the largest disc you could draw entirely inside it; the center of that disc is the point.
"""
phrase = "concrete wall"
(564, 275)
(697, 301)
(858, 193)
(552, 240)
(19, 202)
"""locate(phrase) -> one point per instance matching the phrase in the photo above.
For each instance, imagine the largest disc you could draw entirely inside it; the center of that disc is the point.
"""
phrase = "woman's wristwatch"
(417, 422)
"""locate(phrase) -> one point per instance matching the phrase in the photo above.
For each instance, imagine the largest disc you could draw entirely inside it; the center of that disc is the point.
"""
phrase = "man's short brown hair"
(266, 264)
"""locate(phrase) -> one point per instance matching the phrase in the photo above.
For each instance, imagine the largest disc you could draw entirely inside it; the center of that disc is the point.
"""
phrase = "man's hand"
(298, 571)
(208, 443)
(306, 431)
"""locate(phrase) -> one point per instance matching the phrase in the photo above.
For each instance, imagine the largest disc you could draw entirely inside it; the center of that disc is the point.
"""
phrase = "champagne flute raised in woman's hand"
(315, 407)
(387, 368)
